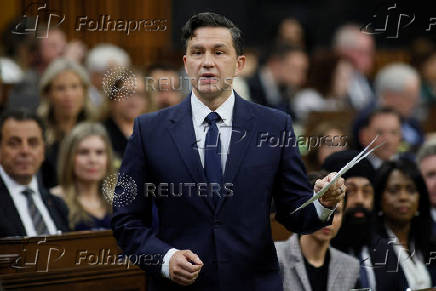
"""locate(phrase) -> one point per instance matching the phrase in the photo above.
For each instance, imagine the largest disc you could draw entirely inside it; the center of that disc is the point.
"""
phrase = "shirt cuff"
(323, 212)
(165, 271)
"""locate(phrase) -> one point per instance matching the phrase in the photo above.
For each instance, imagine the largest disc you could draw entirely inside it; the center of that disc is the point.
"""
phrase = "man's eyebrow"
(219, 45)
(199, 46)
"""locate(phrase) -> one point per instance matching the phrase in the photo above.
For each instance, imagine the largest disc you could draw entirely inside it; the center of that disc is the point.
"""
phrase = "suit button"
(217, 223)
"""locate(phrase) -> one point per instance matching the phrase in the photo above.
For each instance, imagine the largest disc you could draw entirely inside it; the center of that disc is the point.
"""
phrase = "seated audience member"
(85, 160)
(326, 87)
(100, 60)
(119, 113)
(359, 48)
(357, 235)
(330, 138)
(307, 262)
(290, 32)
(40, 52)
(281, 74)
(403, 216)
(397, 86)
(428, 72)
(386, 123)
(28, 209)
(164, 86)
(426, 159)
(64, 87)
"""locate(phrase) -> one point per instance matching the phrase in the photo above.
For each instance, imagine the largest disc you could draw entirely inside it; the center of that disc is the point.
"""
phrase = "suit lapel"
(182, 132)
(242, 134)
(9, 211)
(298, 265)
(53, 210)
(335, 267)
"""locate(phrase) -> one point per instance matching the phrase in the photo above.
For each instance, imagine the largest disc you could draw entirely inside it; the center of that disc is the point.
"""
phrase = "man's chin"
(208, 92)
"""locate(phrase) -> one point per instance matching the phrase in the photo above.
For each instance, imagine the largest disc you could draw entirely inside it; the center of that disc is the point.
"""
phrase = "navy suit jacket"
(10, 221)
(232, 239)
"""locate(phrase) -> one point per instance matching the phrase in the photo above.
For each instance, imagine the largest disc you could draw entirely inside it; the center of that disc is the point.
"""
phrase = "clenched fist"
(185, 267)
(334, 194)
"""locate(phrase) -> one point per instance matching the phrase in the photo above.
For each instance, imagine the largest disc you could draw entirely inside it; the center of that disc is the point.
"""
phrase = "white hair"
(346, 36)
(394, 77)
(105, 55)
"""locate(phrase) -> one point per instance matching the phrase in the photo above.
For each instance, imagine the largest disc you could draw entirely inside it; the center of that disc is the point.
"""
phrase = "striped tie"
(35, 215)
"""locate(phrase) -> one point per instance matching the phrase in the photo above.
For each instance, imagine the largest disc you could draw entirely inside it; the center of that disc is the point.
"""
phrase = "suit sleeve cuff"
(166, 263)
(323, 212)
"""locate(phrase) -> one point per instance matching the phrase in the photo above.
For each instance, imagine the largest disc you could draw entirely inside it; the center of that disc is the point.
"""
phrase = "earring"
(417, 213)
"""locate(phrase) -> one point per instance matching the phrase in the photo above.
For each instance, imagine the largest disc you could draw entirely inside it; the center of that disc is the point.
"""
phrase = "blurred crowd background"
(335, 66)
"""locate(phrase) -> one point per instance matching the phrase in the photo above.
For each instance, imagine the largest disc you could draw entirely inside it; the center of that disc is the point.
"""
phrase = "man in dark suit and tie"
(211, 165)
(27, 208)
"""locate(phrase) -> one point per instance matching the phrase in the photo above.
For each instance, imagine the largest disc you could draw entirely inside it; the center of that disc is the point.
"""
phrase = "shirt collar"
(200, 111)
(14, 187)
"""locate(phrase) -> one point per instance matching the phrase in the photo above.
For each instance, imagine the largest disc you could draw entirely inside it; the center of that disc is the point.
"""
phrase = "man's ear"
(184, 62)
(240, 64)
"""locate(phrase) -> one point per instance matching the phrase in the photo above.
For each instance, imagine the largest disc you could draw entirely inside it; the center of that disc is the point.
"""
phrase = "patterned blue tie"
(212, 150)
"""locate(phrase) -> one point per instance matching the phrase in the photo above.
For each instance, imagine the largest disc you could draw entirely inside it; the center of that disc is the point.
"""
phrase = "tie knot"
(27, 192)
(212, 117)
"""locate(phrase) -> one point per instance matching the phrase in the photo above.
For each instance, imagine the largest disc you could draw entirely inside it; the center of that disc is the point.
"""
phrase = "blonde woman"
(65, 102)
(85, 160)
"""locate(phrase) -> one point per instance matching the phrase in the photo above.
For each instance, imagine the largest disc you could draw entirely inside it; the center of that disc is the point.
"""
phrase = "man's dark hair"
(378, 111)
(21, 114)
(212, 19)
(279, 51)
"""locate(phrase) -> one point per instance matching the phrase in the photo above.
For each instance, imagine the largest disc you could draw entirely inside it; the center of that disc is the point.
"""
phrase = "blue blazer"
(232, 239)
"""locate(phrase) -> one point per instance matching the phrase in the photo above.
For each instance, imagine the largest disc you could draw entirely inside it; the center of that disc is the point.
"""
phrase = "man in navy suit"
(211, 165)
(26, 207)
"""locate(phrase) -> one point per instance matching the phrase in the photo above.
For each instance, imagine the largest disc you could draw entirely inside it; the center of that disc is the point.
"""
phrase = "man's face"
(428, 170)
(362, 54)
(388, 127)
(166, 88)
(53, 46)
(294, 69)
(211, 62)
(404, 101)
(360, 192)
(21, 149)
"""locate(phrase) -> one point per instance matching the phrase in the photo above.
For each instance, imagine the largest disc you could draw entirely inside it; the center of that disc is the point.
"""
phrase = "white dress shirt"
(20, 202)
(199, 113)
(225, 110)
